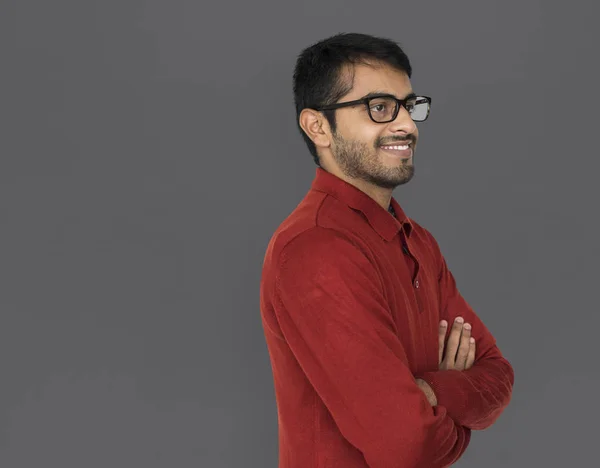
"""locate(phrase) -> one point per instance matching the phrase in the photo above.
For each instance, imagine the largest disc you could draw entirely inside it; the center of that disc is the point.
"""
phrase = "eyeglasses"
(384, 108)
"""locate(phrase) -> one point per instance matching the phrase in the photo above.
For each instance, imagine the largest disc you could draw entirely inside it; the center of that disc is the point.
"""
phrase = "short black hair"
(318, 71)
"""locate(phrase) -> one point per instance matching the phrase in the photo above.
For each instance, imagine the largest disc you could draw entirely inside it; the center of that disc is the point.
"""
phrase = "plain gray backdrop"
(148, 150)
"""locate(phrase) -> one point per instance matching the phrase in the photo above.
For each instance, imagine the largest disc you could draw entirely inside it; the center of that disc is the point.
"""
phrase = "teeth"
(405, 147)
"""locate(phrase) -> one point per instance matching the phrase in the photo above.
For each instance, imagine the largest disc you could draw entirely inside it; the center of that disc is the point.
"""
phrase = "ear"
(316, 126)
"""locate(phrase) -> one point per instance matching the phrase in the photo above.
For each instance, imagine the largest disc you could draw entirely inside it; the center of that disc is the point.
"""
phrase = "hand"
(428, 391)
(460, 347)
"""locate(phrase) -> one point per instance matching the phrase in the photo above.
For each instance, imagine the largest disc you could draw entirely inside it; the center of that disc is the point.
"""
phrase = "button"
(417, 284)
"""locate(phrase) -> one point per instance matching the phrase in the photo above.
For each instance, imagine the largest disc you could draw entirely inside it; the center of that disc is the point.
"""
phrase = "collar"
(386, 225)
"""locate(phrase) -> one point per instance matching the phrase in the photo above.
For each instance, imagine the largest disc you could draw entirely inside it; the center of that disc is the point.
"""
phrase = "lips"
(399, 149)
(398, 145)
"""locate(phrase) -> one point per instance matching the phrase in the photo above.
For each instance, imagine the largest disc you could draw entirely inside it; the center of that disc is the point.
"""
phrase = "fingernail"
(472, 340)
(443, 323)
(460, 319)
(467, 326)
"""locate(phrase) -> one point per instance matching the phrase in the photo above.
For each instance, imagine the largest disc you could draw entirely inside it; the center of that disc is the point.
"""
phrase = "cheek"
(367, 139)
(357, 130)
(372, 137)
(361, 135)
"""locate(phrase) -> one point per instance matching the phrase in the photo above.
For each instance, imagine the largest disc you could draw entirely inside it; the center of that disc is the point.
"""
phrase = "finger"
(471, 355)
(463, 348)
(441, 339)
(452, 344)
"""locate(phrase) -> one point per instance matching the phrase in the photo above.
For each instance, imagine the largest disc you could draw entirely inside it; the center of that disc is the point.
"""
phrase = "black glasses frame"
(367, 99)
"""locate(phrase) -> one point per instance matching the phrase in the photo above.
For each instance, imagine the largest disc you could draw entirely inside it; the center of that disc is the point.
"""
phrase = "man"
(377, 359)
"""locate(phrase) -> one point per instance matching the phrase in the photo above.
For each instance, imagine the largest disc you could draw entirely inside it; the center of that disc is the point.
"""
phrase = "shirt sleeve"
(476, 397)
(332, 312)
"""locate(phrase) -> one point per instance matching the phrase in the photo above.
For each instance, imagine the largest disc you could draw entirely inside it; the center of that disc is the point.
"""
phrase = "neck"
(380, 195)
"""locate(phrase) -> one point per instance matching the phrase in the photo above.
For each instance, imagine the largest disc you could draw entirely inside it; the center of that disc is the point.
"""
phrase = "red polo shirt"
(351, 300)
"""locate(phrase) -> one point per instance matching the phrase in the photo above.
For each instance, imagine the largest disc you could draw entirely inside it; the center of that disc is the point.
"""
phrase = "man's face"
(361, 147)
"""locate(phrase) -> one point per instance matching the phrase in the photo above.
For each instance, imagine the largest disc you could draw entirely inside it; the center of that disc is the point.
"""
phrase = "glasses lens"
(382, 109)
(418, 108)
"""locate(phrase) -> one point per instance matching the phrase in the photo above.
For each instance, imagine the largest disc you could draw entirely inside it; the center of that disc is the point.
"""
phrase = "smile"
(396, 147)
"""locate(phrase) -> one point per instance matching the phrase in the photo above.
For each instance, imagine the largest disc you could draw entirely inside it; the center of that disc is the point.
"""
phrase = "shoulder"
(320, 226)
(324, 256)
(320, 243)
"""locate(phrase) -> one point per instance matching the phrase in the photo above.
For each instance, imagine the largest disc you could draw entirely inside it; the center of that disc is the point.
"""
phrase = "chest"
(409, 276)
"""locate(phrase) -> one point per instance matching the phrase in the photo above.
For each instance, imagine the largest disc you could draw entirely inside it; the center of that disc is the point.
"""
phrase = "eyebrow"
(374, 94)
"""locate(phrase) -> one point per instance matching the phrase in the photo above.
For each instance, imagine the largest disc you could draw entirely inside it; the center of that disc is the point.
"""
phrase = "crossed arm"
(456, 352)
(333, 315)
(474, 397)
(336, 321)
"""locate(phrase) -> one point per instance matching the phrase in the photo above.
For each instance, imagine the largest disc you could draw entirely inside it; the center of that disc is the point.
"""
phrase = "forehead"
(377, 77)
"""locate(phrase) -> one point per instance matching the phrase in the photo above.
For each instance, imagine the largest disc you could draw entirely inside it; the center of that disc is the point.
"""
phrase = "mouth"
(399, 149)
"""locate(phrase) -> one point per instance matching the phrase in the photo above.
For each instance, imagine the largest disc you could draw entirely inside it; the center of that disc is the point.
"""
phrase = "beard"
(359, 161)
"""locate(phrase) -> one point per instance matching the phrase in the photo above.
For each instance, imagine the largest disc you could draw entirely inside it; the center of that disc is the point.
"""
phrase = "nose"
(403, 122)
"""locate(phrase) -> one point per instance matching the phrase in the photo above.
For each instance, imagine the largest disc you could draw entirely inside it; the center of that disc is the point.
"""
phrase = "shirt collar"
(380, 219)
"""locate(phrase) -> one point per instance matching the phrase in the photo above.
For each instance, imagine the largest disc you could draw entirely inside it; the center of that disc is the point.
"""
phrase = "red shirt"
(351, 319)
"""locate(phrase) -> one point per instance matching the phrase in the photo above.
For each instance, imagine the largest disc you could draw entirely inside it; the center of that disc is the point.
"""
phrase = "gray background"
(149, 150)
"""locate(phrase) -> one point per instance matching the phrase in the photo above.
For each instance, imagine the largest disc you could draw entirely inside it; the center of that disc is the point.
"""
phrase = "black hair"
(319, 69)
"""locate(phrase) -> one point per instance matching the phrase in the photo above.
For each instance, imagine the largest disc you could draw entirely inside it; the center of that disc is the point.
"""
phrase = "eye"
(381, 106)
